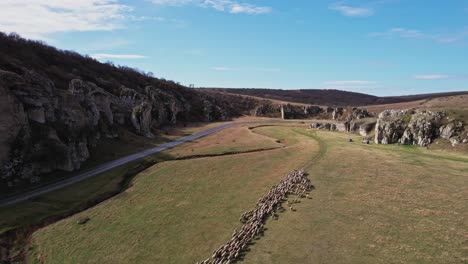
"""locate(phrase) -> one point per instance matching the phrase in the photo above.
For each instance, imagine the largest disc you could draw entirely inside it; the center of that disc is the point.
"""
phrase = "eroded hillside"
(58, 105)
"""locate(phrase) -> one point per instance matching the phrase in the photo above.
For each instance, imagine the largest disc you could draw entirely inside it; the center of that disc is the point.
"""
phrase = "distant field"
(175, 212)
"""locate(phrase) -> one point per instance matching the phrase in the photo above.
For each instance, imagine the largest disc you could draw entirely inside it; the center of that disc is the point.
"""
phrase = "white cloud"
(458, 38)
(237, 8)
(172, 2)
(230, 6)
(400, 32)
(117, 56)
(431, 77)
(347, 10)
(350, 82)
(37, 18)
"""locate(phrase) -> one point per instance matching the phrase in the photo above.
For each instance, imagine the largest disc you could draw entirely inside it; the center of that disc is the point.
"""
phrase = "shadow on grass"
(19, 222)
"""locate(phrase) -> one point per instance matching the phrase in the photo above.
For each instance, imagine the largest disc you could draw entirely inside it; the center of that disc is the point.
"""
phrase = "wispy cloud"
(431, 77)
(440, 76)
(351, 11)
(237, 8)
(230, 6)
(37, 19)
(117, 56)
(172, 2)
(459, 38)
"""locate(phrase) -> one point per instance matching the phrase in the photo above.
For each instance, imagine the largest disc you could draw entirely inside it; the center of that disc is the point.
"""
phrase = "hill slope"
(55, 106)
(329, 97)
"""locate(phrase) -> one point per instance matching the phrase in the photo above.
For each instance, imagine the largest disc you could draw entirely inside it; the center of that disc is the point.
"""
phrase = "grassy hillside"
(330, 97)
(451, 102)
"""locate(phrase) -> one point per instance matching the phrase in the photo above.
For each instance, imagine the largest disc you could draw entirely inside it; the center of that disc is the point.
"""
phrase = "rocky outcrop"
(366, 128)
(422, 129)
(291, 111)
(348, 114)
(339, 126)
(267, 109)
(418, 127)
(313, 110)
(44, 128)
(454, 132)
(362, 126)
(391, 125)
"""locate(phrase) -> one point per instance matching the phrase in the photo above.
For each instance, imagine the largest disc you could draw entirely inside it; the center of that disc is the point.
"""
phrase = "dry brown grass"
(235, 139)
(453, 102)
(406, 105)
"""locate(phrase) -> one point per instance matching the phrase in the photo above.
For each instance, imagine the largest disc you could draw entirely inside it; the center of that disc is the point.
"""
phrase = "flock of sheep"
(295, 183)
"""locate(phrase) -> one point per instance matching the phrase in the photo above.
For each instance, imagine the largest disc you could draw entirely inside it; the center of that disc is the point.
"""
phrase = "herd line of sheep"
(295, 183)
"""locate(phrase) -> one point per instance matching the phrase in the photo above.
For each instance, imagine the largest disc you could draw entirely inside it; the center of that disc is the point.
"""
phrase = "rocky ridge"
(407, 127)
(44, 128)
(418, 127)
(293, 111)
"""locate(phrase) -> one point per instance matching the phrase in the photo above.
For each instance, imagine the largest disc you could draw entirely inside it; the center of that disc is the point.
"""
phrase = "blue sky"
(381, 47)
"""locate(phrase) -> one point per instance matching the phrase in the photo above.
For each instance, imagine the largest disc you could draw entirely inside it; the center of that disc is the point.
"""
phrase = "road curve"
(116, 163)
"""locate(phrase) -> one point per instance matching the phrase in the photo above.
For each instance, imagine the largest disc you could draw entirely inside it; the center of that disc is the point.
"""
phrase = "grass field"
(372, 204)
(375, 204)
(177, 211)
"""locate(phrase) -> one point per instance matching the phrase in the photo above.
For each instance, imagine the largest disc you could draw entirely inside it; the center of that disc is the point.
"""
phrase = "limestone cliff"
(57, 105)
(418, 127)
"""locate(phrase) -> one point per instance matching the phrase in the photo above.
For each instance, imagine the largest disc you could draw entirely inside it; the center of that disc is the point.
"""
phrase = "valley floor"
(372, 204)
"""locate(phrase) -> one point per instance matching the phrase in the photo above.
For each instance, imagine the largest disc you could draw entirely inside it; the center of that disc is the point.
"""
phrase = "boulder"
(341, 126)
(422, 129)
(366, 128)
(391, 125)
(337, 113)
(312, 110)
(451, 129)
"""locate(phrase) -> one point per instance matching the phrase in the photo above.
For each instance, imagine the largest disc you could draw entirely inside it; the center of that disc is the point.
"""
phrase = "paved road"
(113, 164)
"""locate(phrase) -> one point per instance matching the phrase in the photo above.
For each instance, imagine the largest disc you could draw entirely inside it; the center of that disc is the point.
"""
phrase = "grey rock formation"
(44, 129)
(342, 126)
(348, 114)
(313, 110)
(337, 113)
(391, 125)
(422, 129)
(366, 128)
(418, 127)
(455, 132)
